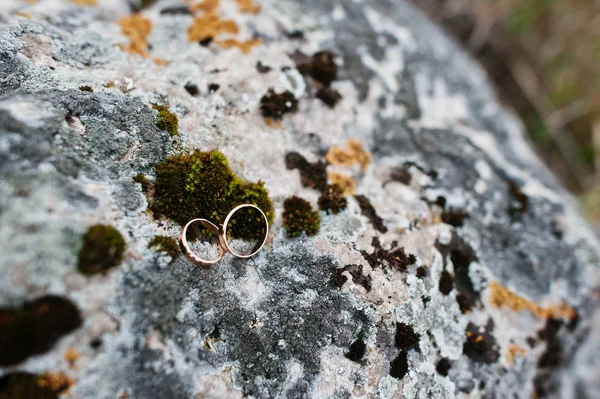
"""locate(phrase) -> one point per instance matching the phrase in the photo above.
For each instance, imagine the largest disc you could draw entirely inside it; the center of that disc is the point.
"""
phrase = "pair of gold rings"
(223, 245)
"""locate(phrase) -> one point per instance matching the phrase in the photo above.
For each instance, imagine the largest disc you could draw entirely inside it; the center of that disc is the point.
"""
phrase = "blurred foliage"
(544, 56)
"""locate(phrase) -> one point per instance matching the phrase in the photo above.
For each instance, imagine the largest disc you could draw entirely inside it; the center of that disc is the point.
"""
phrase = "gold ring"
(187, 251)
(258, 245)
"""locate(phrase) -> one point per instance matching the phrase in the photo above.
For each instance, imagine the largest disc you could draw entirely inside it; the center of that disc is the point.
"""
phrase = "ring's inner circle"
(246, 230)
(203, 240)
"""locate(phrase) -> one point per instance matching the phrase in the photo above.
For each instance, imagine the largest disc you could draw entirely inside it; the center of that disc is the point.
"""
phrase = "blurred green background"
(544, 56)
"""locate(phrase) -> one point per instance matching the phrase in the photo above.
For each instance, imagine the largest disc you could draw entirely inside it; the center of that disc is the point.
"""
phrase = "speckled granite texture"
(501, 302)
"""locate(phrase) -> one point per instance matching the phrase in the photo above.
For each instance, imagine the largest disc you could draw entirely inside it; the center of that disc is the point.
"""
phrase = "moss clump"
(332, 200)
(167, 120)
(103, 248)
(34, 327)
(143, 180)
(201, 185)
(273, 105)
(21, 385)
(86, 88)
(165, 244)
(298, 216)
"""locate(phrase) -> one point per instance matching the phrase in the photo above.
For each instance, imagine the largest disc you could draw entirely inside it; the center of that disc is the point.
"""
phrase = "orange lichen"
(84, 2)
(248, 6)
(71, 356)
(353, 154)
(160, 61)
(208, 26)
(346, 184)
(22, 14)
(501, 297)
(246, 46)
(273, 124)
(56, 382)
(29, 1)
(136, 28)
(513, 351)
(206, 5)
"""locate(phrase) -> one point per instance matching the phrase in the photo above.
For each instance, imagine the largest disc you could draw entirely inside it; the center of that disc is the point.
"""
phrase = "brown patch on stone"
(348, 157)
(209, 25)
(248, 6)
(273, 123)
(514, 350)
(206, 5)
(346, 184)
(246, 46)
(22, 14)
(84, 2)
(501, 297)
(160, 61)
(56, 382)
(136, 28)
(71, 356)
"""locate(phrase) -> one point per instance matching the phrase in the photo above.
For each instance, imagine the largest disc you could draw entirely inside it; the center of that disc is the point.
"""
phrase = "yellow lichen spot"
(513, 351)
(248, 6)
(345, 183)
(56, 382)
(136, 28)
(22, 14)
(84, 2)
(160, 61)
(348, 157)
(71, 356)
(501, 297)
(246, 46)
(124, 395)
(206, 5)
(273, 123)
(208, 26)
(29, 1)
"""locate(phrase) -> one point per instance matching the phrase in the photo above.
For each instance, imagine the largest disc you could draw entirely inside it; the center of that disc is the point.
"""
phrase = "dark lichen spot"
(295, 34)
(461, 255)
(446, 282)
(367, 210)
(454, 217)
(313, 175)
(399, 366)
(102, 249)
(332, 200)
(422, 272)
(357, 350)
(543, 382)
(329, 96)
(213, 87)
(86, 88)
(401, 174)
(394, 259)
(20, 385)
(405, 337)
(96, 343)
(298, 216)
(481, 347)
(143, 181)
(166, 120)
(165, 244)
(176, 10)
(34, 327)
(273, 105)
(262, 68)
(201, 185)
(519, 201)
(206, 42)
(321, 67)
(192, 89)
(443, 366)
(356, 271)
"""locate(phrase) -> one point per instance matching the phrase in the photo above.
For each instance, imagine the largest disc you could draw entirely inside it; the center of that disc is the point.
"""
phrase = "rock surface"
(500, 300)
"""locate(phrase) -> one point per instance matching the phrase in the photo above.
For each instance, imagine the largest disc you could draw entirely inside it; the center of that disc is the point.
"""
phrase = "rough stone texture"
(275, 325)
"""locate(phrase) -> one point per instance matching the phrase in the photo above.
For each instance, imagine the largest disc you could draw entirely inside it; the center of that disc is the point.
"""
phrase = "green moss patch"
(202, 185)
(34, 327)
(298, 216)
(103, 248)
(166, 120)
(165, 244)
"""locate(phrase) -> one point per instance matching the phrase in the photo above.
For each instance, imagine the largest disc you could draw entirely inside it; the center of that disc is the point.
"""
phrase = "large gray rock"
(285, 327)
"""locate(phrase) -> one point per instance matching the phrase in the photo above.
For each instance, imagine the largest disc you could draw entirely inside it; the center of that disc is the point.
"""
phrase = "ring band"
(258, 245)
(185, 248)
